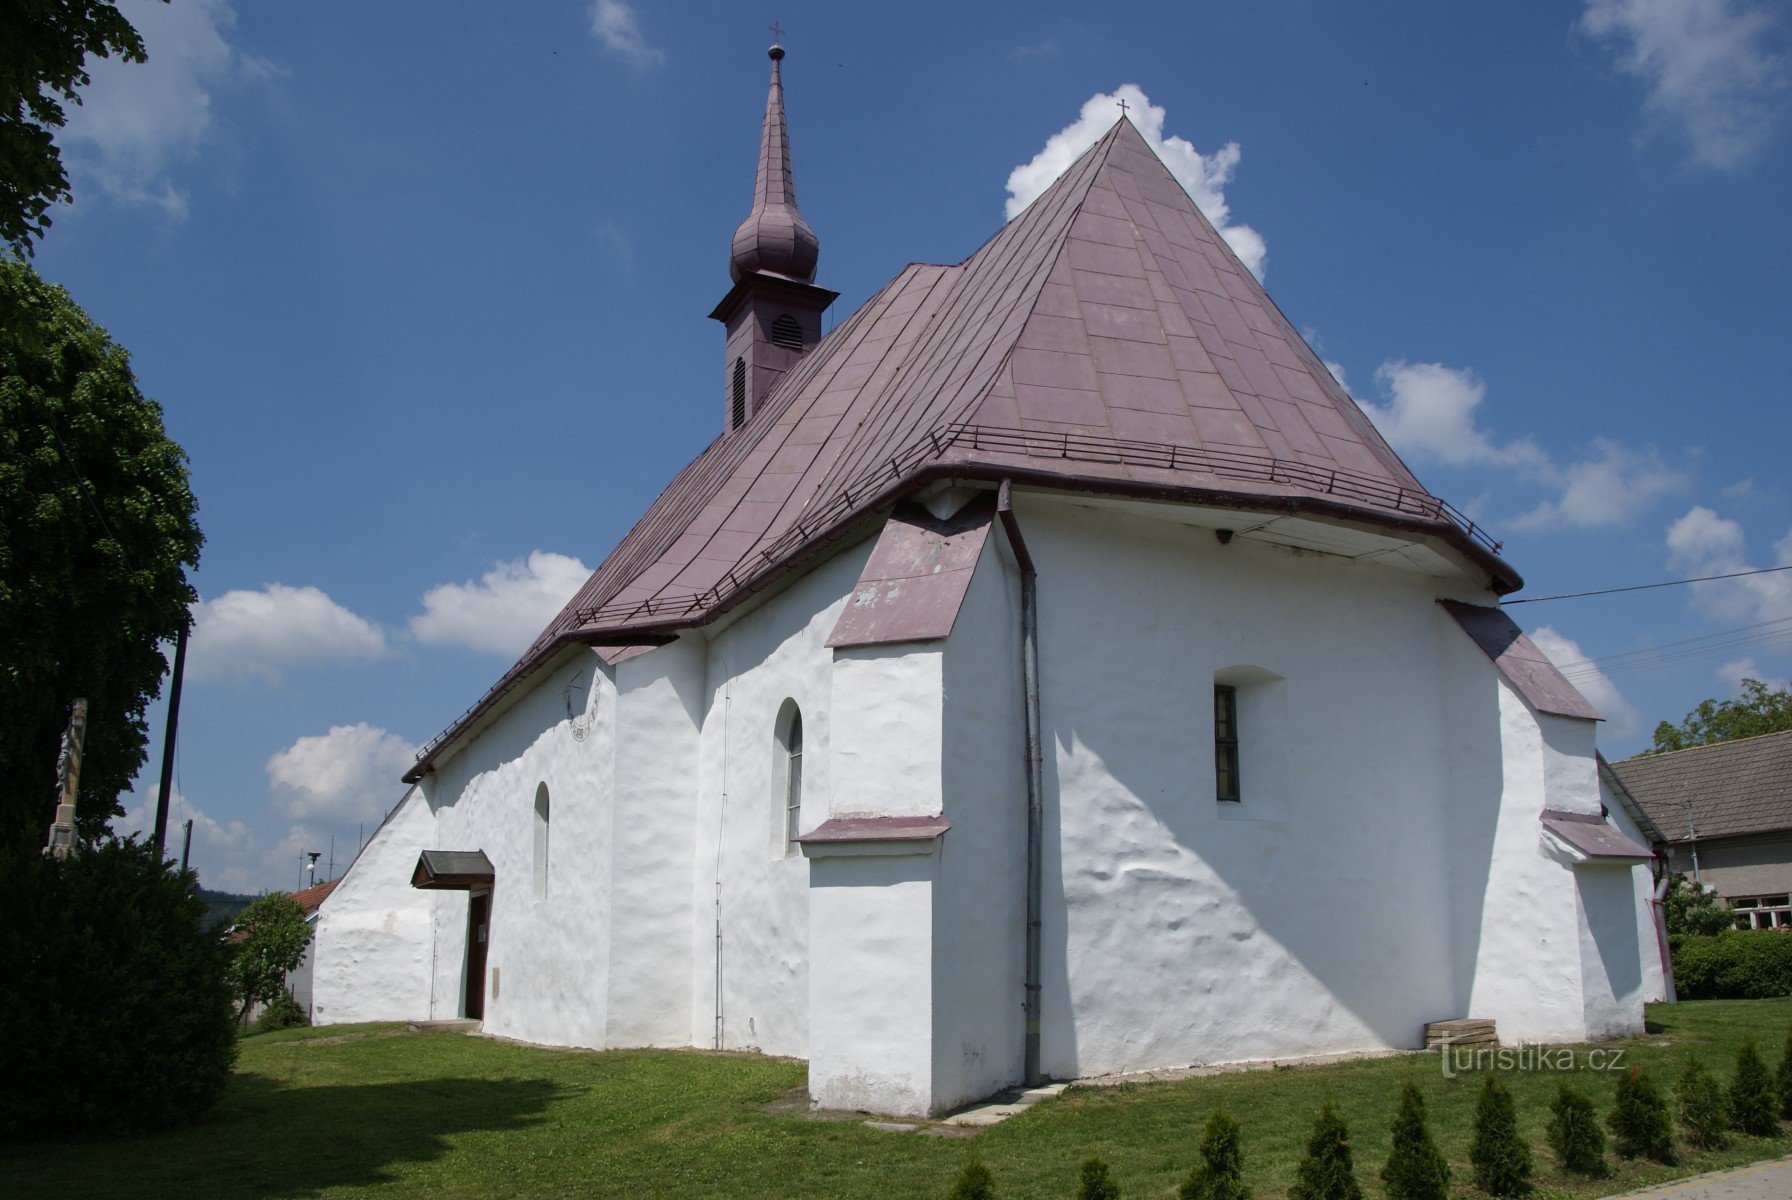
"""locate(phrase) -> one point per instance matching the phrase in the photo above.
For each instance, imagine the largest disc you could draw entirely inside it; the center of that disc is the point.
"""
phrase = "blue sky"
(423, 292)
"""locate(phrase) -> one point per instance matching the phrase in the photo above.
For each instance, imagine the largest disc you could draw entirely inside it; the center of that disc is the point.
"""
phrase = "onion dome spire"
(774, 238)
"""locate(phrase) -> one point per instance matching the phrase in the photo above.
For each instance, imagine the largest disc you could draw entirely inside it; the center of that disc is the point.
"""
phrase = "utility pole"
(180, 666)
(186, 846)
(68, 783)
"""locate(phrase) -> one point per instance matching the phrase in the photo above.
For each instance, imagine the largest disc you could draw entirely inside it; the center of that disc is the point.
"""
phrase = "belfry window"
(787, 333)
(1225, 742)
(737, 412)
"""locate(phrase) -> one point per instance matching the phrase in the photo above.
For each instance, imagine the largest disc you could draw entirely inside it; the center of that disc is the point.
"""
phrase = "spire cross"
(777, 31)
(1122, 105)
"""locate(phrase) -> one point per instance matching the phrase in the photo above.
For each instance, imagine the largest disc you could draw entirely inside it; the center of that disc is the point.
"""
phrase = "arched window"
(790, 774)
(541, 841)
(737, 413)
(786, 332)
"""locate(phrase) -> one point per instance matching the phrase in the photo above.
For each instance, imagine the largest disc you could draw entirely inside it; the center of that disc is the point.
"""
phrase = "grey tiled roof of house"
(1732, 788)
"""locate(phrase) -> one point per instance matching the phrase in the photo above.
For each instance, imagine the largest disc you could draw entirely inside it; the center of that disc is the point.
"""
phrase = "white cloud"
(259, 634)
(614, 23)
(1431, 414)
(1620, 717)
(349, 774)
(1203, 176)
(137, 122)
(220, 848)
(505, 609)
(1733, 673)
(1703, 543)
(1712, 67)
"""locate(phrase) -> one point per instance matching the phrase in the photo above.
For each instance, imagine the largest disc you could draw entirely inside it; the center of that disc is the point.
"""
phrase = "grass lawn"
(376, 1111)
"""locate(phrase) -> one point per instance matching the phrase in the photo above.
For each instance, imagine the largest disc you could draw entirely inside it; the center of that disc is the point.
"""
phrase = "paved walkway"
(1757, 1181)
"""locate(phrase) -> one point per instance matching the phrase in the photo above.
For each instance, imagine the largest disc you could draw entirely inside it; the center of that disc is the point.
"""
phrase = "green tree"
(1220, 1173)
(1756, 711)
(1640, 1121)
(974, 1182)
(1703, 1114)
(270, 939)
(1690, 910)
(44, 45)
(1753, 1099)
(1096, 1182)
(1782, 1078)
(1502, 1158)
(1574, 1132)
(97, 533)
(1415, 1169)
(1326, 1172)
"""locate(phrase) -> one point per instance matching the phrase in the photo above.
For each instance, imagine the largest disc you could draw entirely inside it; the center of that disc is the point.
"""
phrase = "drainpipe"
(1665, 866)
(1029, 664)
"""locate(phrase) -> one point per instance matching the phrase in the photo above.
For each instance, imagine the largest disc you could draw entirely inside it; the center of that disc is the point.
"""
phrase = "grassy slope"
(373, 1111)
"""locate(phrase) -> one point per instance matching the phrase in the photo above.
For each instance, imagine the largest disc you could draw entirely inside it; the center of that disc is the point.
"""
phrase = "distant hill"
(222, 906)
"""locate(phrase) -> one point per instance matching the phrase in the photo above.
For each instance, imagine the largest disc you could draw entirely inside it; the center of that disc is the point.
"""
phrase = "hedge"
(1741, 964)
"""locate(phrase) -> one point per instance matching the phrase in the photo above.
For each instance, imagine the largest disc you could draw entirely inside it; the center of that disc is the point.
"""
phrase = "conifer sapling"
(1640, 1121)
(1502, 1158)
(974, 1183)
(1703, 1114)
(1096, 1182)
(1574, 1133)
(1754, 1107)
(1220, 1173)
(1784, 1079)
(1326, 1172)
(1415, 1169)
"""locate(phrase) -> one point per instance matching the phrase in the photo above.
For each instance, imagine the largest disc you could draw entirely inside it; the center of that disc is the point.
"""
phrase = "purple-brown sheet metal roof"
(1105, 340)
(1525, 667)
(1592, 836)
(915, 580)
(876, 829)
(774, 237)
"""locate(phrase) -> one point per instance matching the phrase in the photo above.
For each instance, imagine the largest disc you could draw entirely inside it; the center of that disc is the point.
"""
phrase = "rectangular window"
(1225, 742)
(1762, 912)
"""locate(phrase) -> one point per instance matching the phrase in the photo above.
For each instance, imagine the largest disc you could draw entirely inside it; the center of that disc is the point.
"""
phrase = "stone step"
(460, 1025)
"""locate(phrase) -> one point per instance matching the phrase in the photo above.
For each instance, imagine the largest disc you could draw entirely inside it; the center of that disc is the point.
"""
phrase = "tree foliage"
(1753, 1099)
(1782, 1078)
(1704, 1117)
(1756, 711)
(1501, 1156)
(1416, 1169)
(1691, 911)
(974, 1182)
(112, 994)
(1574, 1132)
(97, 533)
(1326, 1173)
(44, 46)
(1220, 1173)
(270, 940)
(1641, 1124)
(1096, 1182)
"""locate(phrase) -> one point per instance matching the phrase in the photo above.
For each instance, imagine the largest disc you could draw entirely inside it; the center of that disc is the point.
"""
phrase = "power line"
(1643, 587)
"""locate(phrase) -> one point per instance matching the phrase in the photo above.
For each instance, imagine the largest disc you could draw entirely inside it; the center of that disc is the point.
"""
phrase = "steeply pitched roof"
(1105, 340)
(1731, 788)
(311, 898)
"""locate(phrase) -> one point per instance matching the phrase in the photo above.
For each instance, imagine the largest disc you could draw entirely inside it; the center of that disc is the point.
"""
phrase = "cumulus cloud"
(220, 848)
(1733, 673)
(1431, 415)
(260, 634)
(1620, 717)
(1703, 543)
(138, 122)
(614, 24)
(1204, 177)
(505, 608)
(1713, 67)
(349, 774)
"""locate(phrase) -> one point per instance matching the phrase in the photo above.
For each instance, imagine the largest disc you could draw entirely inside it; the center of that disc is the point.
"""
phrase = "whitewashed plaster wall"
(371, 957)
(1654, 980)
(1316, 915)
(744, 882)
(552, 953)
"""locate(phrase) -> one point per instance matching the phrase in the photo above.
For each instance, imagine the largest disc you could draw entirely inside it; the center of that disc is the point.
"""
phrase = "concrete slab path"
(1758, 1181)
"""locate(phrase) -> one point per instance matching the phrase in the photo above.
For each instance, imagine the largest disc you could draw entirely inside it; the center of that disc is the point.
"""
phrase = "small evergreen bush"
(974, 1182)
(1502, 1158)
(1784, 1079)
(1415, 1169)
(1754, 1108)
(1704, 1117)
(1326, 1172)
(1574, 1133)
(1641, 1124)
(282, 1012)
(1742, 964)
(1096, 1182)
(1220, 1174)
(112, 994)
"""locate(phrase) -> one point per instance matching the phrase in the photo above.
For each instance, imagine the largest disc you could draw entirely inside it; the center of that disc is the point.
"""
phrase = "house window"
(737, 413)
(1225, 742)
(541, 841)
(790, 751)
(1762, 912)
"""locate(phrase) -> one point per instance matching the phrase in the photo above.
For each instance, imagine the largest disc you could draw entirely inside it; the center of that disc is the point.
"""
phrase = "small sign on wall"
(494, 983)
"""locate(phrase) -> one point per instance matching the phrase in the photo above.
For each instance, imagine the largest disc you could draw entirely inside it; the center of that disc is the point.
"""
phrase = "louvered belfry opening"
(737, 405)
(786, 332)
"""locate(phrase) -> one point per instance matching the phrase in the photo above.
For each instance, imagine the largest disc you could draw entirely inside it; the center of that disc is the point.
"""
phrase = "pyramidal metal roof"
(1105, 340)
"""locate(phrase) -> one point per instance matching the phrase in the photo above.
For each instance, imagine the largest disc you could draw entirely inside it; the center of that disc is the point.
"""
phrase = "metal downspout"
(1029, 664)
(1664, 866)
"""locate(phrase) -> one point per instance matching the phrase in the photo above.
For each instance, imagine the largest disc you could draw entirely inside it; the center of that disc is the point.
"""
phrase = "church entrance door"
(479, 910)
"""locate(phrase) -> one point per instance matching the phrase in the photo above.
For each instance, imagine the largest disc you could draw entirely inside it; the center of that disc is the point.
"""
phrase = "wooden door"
(479, 908)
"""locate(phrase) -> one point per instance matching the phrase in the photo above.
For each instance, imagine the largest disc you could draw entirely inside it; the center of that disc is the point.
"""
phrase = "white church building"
(1049, 673)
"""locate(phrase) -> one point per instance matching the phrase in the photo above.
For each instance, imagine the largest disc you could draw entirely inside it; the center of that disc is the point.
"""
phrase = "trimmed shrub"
(1704, 1117)
(1326, 1172)
(1641, 1124)
(1742, 964)
(1415, 1169)
(1096, 1182)
(1502, 1159)
(1784, 1079)
(282, 1012)
(1220, 1175)
(1754, 1106)
(112, 995)
(1574, 1133)
(974, 1183)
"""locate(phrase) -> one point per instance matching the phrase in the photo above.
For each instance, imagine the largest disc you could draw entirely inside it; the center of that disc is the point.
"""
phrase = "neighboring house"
(1725, 812)
(298, 980)
(1049, 672)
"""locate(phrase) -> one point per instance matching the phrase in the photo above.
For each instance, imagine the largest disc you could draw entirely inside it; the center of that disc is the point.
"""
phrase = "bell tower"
(773, 311)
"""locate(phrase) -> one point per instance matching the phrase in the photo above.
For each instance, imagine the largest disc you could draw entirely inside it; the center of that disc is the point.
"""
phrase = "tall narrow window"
(541, 841)
(1225, 742)
(790, 747)
(737, 413)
